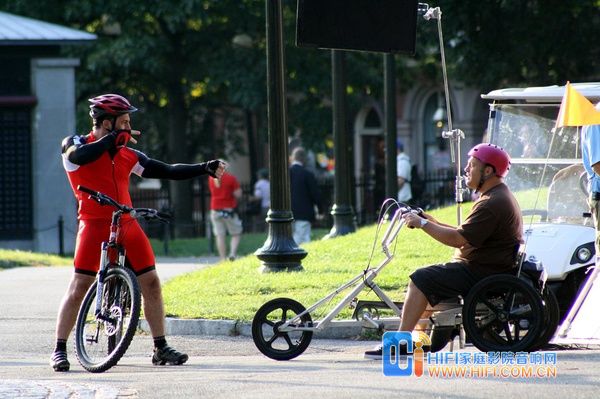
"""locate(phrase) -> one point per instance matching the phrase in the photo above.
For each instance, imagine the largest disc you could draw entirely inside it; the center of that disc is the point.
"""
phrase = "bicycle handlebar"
(87, 190)
(147, 213)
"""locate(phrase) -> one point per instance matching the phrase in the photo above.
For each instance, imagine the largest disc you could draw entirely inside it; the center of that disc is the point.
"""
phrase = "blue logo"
(393, 363)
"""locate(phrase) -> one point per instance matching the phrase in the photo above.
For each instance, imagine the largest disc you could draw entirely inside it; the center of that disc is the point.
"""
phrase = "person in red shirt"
(224, 195)
(102, 161)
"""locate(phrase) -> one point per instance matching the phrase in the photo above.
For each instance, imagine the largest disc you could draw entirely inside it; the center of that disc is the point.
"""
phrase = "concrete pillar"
(53, 83)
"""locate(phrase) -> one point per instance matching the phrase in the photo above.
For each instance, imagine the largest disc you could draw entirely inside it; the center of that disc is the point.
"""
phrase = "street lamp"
(342, 212)
(279, 252)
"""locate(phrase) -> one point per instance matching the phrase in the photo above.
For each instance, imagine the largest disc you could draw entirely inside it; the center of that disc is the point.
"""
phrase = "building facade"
(37, 110)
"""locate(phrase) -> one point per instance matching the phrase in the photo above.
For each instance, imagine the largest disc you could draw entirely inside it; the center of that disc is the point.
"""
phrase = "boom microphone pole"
(454, 135)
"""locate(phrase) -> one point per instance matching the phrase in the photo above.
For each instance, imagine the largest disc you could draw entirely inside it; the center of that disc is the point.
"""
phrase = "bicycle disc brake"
(111, 326)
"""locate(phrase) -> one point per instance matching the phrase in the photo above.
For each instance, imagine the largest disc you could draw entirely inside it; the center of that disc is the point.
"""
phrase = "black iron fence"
(431, 191)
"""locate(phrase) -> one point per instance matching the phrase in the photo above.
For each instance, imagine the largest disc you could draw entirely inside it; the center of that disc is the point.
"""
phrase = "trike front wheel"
(274, 343)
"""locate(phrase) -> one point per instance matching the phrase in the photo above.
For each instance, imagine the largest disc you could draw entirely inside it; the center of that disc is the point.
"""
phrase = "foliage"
(500, 43)
(177, 58)
(199, 87)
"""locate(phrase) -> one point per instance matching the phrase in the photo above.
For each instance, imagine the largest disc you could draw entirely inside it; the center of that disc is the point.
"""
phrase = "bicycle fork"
(104, 264)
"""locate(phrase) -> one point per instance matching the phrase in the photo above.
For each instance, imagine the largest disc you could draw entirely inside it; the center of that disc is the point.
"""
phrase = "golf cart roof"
(591, 90)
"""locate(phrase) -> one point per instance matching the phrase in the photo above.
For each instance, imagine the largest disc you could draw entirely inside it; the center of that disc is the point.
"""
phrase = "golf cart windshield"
(546, 175)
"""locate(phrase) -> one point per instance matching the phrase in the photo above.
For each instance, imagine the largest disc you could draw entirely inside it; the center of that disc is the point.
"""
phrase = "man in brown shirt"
(486, 242)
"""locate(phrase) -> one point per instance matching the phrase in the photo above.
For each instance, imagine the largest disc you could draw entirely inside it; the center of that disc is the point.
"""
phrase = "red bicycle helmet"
(492, 155)
(110, 104)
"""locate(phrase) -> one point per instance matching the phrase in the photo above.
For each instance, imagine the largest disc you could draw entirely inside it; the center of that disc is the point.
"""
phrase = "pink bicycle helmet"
(492, 155)
(110, 104)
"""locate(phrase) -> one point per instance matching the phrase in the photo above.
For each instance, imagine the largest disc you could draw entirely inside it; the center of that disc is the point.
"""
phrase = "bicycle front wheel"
(101, 341)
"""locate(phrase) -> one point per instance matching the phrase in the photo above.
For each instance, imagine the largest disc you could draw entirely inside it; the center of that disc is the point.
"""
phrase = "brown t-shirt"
(493, 231)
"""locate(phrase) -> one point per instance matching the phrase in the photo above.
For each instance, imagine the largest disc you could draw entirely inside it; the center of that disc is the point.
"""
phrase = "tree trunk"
(178, 150)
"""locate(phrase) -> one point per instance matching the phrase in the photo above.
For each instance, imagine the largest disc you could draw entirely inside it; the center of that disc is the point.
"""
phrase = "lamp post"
(342, 212)
(279, 252)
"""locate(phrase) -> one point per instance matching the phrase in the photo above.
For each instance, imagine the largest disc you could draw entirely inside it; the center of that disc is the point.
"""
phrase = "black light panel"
(366, 25)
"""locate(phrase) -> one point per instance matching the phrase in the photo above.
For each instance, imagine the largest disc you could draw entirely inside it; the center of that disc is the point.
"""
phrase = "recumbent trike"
(502, 312)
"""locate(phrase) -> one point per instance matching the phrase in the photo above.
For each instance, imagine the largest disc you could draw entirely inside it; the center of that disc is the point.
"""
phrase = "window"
(16, 217)
(14, 76)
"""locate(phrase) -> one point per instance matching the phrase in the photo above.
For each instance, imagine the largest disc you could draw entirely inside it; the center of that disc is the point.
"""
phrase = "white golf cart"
(548, 180)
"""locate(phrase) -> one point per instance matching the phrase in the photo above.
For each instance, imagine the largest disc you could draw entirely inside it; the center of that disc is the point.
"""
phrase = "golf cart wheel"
(551, 318)
(503, 313)
(276, 344)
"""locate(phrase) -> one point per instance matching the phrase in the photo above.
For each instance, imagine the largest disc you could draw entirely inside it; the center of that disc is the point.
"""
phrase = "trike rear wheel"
(503, 313)
(276, 344)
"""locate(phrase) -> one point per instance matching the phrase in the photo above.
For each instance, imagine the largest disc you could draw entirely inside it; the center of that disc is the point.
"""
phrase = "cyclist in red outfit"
(102, 161)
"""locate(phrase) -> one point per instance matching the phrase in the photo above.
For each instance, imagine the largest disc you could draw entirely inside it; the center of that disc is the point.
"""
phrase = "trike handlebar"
(396, 223)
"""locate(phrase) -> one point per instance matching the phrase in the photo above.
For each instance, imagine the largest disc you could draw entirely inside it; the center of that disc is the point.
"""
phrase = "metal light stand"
(454, 135)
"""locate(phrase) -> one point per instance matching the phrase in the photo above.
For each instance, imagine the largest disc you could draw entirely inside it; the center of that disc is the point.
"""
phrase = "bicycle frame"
(105, 261)
(367, 276)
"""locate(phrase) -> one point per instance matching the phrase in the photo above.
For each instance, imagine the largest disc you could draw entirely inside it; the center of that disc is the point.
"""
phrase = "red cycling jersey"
(102, 166)
(109, 175)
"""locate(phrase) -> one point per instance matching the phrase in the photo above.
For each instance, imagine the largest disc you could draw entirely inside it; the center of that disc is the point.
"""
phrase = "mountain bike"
(110, 311)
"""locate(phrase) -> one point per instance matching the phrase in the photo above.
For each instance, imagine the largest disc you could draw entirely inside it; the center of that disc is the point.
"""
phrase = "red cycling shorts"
(91, 234)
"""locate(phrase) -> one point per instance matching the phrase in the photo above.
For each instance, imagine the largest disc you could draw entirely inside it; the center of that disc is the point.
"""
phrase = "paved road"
(228, 367)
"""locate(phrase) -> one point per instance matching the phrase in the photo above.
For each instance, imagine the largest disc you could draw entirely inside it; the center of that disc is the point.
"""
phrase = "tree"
(178, 61)
(502, 43)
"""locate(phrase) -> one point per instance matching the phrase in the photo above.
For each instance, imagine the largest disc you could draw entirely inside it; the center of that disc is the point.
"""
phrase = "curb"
(173, 326)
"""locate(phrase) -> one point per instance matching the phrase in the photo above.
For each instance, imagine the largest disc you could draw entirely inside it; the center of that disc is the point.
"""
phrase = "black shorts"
(444, 281)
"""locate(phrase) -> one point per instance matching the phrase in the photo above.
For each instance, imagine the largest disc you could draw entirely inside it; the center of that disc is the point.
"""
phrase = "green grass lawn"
(235, 290)
(14, 258)
(185, 247)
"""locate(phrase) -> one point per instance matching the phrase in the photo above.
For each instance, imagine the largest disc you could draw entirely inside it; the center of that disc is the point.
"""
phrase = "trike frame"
(367, 276)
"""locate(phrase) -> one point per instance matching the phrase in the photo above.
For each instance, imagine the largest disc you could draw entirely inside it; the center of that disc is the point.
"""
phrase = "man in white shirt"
(262, 191)
(403, 172)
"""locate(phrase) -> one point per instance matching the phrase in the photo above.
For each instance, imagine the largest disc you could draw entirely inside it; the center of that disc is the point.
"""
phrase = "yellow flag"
(576, 110)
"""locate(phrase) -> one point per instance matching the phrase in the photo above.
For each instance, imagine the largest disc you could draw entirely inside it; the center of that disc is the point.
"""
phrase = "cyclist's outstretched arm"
(155, 169)
(78, 152)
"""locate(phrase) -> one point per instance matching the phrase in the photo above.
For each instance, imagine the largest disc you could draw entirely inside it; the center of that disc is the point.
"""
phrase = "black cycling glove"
(212, 166)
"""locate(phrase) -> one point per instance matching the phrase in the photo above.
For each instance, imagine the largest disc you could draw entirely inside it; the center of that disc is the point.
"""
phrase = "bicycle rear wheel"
(101, 342)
